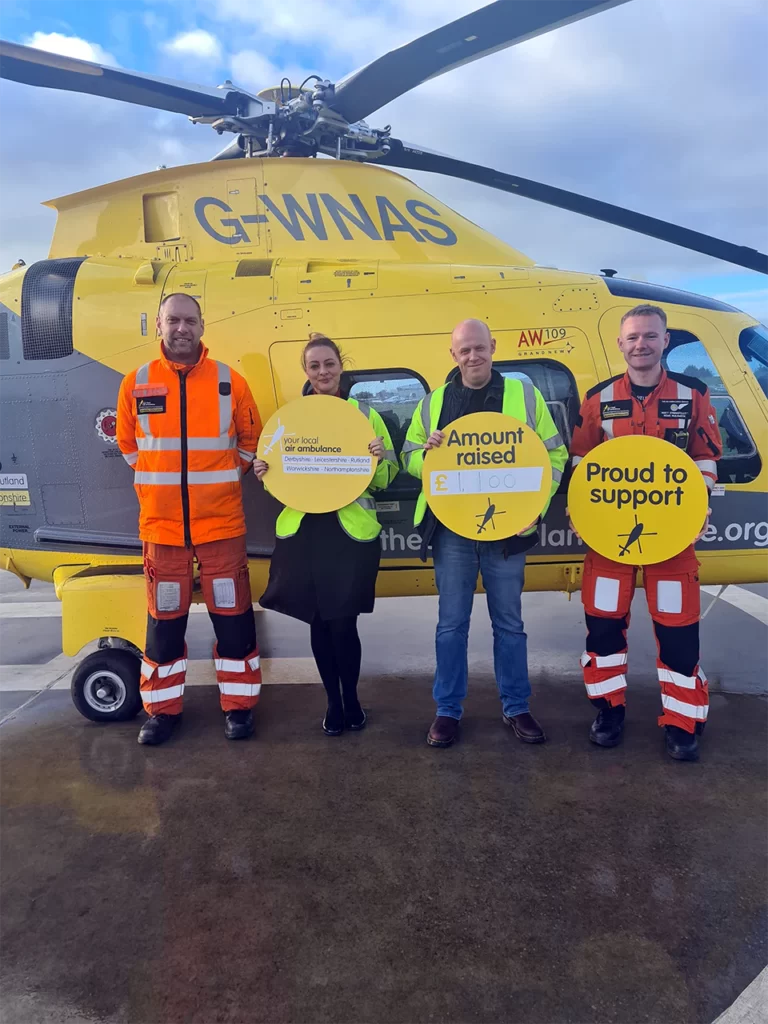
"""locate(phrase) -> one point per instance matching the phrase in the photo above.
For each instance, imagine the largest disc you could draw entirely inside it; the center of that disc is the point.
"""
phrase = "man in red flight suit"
(647, 400)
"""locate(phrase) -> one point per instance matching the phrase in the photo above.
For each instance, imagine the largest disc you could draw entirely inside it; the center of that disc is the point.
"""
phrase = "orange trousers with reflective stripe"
(226, 590)
(672, 592)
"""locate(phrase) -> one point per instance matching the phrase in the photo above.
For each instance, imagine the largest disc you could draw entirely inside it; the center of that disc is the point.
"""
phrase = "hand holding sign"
(487, 476)
(637, 499)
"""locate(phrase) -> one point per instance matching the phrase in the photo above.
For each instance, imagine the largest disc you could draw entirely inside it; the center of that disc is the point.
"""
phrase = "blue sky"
(658, 105)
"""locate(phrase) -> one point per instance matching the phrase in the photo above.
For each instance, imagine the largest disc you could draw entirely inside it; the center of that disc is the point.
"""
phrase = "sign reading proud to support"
(489, 479)
(317, 452)
(637, 499)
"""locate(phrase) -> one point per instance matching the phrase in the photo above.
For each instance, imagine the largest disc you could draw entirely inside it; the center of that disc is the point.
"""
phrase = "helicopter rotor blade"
(477, 34)
(31, 66)
(412, 158)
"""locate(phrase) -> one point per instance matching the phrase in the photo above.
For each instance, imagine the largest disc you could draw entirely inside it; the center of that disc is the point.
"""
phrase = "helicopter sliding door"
(709, 350)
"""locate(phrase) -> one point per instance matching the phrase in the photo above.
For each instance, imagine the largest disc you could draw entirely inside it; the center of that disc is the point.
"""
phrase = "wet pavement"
(297, 878)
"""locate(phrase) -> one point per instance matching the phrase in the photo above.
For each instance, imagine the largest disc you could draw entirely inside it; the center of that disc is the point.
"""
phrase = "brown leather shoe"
(526, 728)
(443, 731)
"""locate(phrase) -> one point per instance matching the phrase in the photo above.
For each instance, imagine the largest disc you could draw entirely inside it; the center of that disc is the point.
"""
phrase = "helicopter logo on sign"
(351, 219)
(633, 537)
(488, 517)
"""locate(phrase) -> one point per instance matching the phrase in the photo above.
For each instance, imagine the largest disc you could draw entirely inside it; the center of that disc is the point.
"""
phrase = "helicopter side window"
(740, 462)
(394, 394)
(753, 343)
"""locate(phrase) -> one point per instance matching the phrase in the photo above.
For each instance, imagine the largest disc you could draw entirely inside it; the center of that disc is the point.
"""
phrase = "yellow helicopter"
(274, 243)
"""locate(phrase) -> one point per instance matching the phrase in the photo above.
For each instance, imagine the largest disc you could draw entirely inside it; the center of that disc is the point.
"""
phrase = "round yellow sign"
(317, 452)
(637, 499)
(489, 479)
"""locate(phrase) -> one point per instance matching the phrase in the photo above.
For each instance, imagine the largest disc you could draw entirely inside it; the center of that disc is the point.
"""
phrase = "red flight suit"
(678, 410)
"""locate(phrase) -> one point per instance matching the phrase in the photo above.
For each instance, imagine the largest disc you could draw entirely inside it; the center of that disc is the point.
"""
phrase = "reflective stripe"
(194, 444)
(576, 460)
(426, 406)
(158, 479)
(156, 696)
(247, 456)
(367, 503)
(142, 377)
(147, 669)
(131, 458)
(608, 428)
(607, 686)
(667, 676)
(163, 671)
(707, 466)
(240, 689)
(389, 455)
(585, 659)
(557, 475)
(553, 442)
(610, 660)
(696, 711)
(254, 663)
(411, 446)
(529, 396)
(225, 401)
(228, 665)
(215, 476)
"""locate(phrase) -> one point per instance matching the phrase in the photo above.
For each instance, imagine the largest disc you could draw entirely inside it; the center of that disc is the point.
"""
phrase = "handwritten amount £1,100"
(524, 479)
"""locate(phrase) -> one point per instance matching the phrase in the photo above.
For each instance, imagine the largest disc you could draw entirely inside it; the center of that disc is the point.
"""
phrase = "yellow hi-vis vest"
(521, 400)
(358, 519)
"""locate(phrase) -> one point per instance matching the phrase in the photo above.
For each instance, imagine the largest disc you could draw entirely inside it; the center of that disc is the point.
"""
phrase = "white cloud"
(252, 70)
(197, 43)
(71, 46)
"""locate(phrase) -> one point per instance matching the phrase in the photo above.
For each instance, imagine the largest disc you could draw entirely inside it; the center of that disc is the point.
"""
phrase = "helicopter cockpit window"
(394, 394)
(556, 385)
(740, 462)
(753, 343)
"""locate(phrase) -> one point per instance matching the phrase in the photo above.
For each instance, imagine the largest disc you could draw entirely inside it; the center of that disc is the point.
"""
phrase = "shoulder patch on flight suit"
(675, 408)
(616, 410)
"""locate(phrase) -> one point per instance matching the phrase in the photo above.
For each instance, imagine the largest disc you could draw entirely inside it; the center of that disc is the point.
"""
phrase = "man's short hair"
(645, 309)
(180, 295)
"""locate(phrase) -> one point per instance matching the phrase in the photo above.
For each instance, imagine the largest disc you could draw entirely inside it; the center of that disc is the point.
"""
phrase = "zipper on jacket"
(184, 467)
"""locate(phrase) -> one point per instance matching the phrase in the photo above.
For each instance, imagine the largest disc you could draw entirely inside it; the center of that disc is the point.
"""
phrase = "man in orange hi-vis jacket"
(650, 400)
(189, 427)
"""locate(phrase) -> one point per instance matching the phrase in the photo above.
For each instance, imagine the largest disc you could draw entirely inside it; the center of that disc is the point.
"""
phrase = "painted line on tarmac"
(753, 604)
(57, 674)
(750, 1007)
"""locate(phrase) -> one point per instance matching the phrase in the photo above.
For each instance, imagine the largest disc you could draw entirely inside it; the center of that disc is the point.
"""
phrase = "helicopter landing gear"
(105, 686)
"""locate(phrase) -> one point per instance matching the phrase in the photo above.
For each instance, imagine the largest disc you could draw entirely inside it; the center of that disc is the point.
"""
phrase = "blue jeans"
(457, 562)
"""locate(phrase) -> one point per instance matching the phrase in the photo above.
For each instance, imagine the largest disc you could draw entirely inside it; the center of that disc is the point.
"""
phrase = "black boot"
(238, 724)
(157, 729)
(333, 723)
(681, 745)
(608, 728)
(354, 716)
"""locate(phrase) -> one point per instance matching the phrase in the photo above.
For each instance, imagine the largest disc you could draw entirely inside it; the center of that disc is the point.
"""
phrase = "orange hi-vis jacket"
(189, 432)
(678, 410)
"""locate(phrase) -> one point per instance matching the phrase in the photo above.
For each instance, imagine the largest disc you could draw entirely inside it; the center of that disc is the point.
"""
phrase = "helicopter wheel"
(105, 686)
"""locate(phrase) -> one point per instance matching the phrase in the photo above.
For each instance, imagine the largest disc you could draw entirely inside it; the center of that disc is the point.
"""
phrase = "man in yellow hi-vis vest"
(476, 387)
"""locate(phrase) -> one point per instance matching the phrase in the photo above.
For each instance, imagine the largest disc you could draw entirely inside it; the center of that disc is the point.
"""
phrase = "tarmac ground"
(369, 878)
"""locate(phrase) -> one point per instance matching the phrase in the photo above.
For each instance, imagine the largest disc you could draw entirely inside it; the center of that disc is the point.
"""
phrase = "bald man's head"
(472, 348)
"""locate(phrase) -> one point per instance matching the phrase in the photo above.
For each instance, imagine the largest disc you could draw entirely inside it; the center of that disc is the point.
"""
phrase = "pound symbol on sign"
(441, 485)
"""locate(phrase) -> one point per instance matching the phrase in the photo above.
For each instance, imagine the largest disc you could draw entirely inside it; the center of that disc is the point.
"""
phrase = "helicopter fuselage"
(274, 249)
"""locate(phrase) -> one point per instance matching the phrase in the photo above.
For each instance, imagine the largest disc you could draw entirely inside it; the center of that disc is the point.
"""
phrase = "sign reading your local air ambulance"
(317, 452)
(637, 499)
(489, 479)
